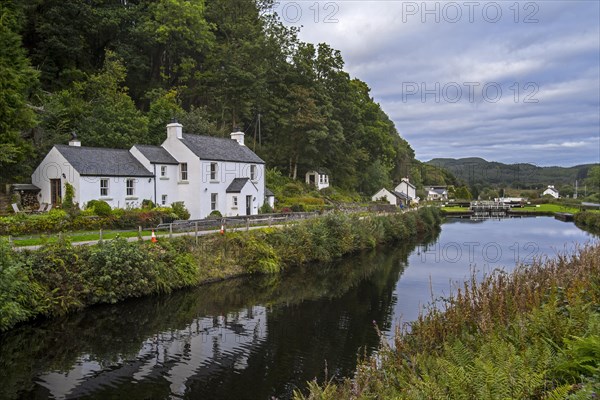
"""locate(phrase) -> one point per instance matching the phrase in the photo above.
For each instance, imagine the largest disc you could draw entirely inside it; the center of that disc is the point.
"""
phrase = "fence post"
(270, 221)
(10, 241)
(196, 231)
(140, 232)
(100, 236)
(247, 224)
(170, 230)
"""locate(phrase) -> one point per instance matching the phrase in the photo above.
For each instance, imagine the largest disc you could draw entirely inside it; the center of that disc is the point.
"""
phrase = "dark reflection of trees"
(317, 314)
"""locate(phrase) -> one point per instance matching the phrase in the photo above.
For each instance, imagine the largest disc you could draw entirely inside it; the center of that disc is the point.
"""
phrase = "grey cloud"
(559, 54)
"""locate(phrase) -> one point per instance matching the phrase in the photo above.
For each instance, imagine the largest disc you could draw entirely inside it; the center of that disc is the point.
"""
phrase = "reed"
(533, 333)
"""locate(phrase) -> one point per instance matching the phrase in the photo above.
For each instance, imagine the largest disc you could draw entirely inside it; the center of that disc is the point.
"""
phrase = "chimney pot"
(238, 136)
(175, 130)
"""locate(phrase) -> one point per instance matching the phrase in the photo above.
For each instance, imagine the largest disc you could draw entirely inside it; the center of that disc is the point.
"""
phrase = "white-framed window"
(103, 187)
(235, 203)
(320, 178)
(252, 172)
(163, 171)
(130, 185)
(183, 172)
(163, 200)
(213, 171)
(213, 201)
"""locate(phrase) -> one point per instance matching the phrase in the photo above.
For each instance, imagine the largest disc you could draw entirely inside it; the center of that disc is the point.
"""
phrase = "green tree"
(163, 108)
(98, 109)
(593, 179)
(17, 79)
(462, 193)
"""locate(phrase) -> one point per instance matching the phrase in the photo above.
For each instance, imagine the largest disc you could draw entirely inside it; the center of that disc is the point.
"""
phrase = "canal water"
(262, 337)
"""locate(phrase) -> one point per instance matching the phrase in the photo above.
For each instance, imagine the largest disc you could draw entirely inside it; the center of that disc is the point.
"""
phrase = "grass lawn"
(547, 208)
(452, 209)
(81, 236)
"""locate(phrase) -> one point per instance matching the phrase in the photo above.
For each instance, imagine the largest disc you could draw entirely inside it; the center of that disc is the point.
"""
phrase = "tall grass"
(531, 334)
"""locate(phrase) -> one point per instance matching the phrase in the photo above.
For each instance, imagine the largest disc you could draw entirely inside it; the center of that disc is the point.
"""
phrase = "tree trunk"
(295, 168)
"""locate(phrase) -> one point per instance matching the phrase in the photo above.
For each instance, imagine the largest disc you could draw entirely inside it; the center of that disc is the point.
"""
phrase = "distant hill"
(477, 171)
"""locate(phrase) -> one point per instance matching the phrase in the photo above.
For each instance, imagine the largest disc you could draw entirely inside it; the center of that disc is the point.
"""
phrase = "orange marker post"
(153, 237)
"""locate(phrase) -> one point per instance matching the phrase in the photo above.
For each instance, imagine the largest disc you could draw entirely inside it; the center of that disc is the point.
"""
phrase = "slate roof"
(238, 184)
(25, 186)
(219, 149)
(156, 154)
(97, 161)
(402, 195)
(441, 192)
(268, 192)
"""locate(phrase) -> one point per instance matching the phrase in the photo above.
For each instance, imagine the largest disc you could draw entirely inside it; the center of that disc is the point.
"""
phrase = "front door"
(55, 192)
(248, 205)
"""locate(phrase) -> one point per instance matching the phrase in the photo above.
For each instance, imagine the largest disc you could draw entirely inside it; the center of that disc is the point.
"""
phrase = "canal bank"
(60, 278)
(528, 332)
(265, 335)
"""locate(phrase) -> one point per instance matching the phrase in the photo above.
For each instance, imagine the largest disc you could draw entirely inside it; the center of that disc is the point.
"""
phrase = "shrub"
(67, 202)
(292, 189)
(100, 207)
(265, 208)
(147, 203)
(298, 208)
(180, 210)
(215, 214)
(20, 297)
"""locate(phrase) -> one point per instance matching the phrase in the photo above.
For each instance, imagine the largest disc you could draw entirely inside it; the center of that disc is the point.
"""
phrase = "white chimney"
(74, 141)
(238, 136)
(175, 130)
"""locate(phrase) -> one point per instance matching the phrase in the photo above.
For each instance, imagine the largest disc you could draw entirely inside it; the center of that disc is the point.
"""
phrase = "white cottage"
(206, 173)
(408, 189)
(436, 193)
(318, 178)
(392, 197)
(112, 175)
(552, 191)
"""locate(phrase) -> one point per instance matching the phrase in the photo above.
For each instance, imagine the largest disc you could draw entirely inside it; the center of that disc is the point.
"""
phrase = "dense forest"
(480, 174)
(116, 72)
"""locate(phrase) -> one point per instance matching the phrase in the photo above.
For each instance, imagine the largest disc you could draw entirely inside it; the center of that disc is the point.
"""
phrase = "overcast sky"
(507, 81)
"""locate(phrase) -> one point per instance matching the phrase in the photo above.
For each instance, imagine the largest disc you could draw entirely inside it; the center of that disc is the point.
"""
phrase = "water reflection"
(245, 338)
(262, 337)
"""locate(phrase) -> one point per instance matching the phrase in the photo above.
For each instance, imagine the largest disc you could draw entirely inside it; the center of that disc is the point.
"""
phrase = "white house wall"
(53, 166)
(169, 185)
(407, 189)
(117, 191)
(390, 198)
(190, 191)
(226, 173)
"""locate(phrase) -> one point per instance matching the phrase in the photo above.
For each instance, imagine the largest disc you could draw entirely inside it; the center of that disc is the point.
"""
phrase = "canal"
(262, 337)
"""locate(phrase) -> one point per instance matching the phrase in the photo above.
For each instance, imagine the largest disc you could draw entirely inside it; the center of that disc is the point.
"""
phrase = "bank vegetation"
(61, 278)
(531, 334)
